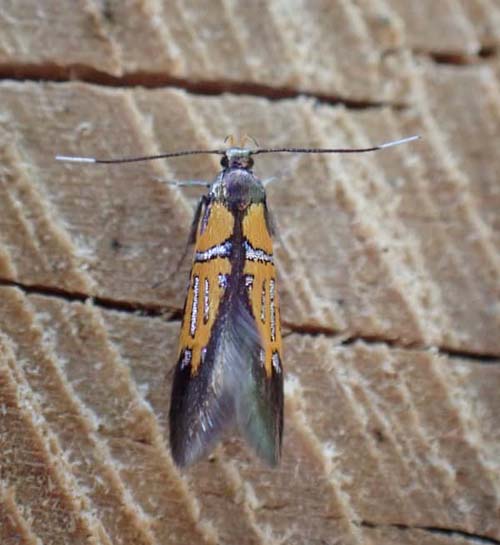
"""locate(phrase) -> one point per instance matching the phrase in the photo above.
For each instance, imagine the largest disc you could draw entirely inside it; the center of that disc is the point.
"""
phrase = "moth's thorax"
(236, 185)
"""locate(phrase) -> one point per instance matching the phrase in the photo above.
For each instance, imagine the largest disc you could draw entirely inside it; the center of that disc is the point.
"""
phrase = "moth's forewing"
(262, 411)
(199, 412)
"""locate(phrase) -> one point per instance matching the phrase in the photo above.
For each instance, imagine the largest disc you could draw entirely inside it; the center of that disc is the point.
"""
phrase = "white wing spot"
(272, 309)
(194, 307)
(276, 363)
(186, 358)
(206, 301)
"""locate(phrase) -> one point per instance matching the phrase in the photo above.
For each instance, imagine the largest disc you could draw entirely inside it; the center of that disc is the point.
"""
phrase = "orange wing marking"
(210, 268)
(262, 293)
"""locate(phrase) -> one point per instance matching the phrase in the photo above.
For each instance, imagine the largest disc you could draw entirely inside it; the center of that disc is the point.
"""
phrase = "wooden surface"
(388, 266)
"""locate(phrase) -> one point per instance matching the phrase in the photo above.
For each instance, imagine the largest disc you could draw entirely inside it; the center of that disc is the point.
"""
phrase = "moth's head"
(237, 158)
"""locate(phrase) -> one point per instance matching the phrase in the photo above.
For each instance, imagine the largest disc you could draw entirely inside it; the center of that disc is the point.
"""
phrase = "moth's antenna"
(257, 151)
(96, 160)
(336, 150)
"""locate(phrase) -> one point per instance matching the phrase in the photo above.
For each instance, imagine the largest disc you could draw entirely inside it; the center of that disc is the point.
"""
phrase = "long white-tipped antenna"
(72, 159)
(336, 150)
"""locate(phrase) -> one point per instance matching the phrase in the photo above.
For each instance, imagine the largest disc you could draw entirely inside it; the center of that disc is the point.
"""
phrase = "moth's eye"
(224, 162)
(249, 162)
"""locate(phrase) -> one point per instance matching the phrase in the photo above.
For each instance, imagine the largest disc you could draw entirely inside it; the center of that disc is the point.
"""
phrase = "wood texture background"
(388, 265)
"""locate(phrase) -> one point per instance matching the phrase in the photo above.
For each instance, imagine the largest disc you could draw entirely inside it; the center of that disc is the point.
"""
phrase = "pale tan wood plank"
(437, 27)
(123, 232)
(41, 33)
(386, 438)
(377, 435)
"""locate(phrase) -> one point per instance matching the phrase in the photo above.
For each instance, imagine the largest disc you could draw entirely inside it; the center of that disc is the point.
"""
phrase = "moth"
(229, 370)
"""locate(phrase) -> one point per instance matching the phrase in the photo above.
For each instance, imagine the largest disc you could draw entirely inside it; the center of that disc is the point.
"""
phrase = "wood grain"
(388, 266)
